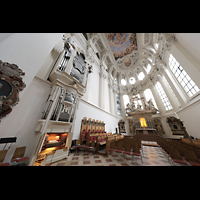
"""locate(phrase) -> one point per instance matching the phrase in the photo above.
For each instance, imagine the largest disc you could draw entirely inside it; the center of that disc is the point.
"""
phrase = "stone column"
(122, 106)
(143, 96)
(101, 89)
(180, 99)
(115, 102)
(169, 95)
(180, 93)
(110, 94)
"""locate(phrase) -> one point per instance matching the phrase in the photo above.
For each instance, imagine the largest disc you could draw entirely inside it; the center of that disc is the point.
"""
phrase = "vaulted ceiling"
(128, 54)
(122, 44)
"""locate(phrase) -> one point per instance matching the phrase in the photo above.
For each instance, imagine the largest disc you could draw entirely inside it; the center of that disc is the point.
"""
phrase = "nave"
(91, 90)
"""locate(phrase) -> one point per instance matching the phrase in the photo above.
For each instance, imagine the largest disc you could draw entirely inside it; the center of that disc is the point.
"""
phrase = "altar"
(141, 116)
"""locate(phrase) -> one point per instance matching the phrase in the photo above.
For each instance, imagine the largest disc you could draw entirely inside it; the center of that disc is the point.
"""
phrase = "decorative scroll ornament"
(10, 85)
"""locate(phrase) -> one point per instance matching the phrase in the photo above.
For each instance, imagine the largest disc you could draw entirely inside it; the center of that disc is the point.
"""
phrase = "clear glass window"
(163, 96)
(183, 78)
(123, 82)
(132, 80)
(148, 95)
(141, 76)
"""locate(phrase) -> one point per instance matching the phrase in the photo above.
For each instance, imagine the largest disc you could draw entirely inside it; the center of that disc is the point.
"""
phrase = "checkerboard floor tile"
(151, 156)
(90, 159)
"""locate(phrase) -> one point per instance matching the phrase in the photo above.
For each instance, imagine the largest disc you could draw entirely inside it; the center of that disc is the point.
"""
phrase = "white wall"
(186, 50)
(89, 104)
(190, 43)
(92, 92)
(106, 95)
(22, 121)
(190, 117)
(87, 110)
(28, 51)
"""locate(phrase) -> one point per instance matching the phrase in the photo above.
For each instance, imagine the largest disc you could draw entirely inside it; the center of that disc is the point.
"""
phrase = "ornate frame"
(10, 85)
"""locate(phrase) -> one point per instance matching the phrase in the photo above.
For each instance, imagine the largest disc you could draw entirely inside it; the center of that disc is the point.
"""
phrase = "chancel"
(99, 99)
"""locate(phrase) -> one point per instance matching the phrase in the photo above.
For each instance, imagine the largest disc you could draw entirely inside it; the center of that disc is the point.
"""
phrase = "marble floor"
(89, 159)
(151, 155)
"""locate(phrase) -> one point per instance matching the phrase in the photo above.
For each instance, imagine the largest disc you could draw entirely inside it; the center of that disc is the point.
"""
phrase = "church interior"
(99, 99)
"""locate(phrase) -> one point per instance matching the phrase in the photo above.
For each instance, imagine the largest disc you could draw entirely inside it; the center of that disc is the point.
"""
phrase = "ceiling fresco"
(122, 44)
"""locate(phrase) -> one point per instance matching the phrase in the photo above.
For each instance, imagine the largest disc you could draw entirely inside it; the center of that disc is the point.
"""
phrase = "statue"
(148, 106)
(68, 43)
(151, 105)
(139, 107)
(145, 103)
(128, 107)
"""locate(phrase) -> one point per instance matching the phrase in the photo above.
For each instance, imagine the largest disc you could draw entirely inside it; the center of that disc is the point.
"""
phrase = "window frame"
(182, 77)
(163, 96)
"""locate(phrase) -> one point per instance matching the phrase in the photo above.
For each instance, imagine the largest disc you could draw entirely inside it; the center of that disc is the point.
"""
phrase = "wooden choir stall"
(89, 126)
(93, 134)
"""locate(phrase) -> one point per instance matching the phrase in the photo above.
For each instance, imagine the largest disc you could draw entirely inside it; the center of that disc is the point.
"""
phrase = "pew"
(90, 127)
(18, 156)
(100, 140)
(2, 157)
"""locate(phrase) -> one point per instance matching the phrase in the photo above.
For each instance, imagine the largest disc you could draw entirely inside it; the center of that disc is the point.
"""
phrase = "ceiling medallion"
(10, 85)
(128, 61)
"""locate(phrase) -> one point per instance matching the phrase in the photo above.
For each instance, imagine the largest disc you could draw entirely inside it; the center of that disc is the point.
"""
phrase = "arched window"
(183, 78)
(138, 102)
(132, 80)
(148, 95)
(118, 104)
(141, 76)
(126, 100)
(148, 69)
(163, 96)
(156, 46)
(123, 82)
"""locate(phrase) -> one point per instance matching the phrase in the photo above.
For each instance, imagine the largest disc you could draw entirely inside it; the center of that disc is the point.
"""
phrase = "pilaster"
(169, 95)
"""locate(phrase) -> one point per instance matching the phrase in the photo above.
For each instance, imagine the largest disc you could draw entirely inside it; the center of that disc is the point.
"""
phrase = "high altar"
(142, 121)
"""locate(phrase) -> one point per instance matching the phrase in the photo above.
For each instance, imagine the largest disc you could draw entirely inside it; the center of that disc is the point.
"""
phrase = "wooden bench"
(2, 157)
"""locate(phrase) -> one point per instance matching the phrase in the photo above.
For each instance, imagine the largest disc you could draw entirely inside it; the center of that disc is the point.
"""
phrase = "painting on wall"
(122, 44)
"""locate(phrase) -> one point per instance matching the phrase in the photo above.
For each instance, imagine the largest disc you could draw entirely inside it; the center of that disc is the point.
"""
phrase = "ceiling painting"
(122, 44)
(127, 62)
